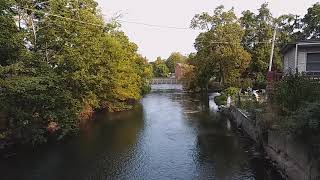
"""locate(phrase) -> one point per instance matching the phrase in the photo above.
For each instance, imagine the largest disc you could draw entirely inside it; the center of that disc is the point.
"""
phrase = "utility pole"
(272, 48)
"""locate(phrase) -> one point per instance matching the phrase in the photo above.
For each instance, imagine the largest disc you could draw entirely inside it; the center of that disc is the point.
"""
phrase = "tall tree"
(11, 38)
(311, 22)
(219, 50)
(259, 30)
(72, 64)
(174, 59)
(160, 68)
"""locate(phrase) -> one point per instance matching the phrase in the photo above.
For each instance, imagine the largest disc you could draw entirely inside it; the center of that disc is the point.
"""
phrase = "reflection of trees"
(216, 146)
(95, 154)
(115, 131)
(110, 142)
(220, 149)
(191, 102)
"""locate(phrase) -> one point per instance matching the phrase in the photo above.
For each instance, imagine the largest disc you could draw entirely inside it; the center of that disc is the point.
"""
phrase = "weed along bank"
(117, 89)
(294, 157)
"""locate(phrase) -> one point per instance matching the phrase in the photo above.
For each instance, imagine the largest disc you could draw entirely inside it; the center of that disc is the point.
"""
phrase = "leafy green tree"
(11, 43)
(287, 26)
(219, 52)
(173, 60)
(311, 22)
(160, 68)
(73, 63)
(145, 71)
(259, 30)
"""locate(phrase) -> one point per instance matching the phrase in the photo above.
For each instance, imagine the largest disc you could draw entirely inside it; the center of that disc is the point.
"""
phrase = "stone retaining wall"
(292, 158)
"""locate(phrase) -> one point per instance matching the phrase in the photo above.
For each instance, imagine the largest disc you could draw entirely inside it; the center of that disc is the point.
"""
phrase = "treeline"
(59, 61)
(236, 50)
(163, 67)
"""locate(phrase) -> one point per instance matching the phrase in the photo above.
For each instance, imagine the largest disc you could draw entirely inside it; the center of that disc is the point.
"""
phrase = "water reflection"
(169, 135)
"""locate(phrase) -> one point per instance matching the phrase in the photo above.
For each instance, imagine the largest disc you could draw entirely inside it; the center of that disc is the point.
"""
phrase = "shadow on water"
(91, 155)
(169, 135)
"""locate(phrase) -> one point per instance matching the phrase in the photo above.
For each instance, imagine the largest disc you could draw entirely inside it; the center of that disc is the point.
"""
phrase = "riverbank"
(289, 156)
(169, 135)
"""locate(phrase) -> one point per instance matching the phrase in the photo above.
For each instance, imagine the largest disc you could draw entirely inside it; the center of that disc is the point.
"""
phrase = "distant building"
(303, 56)
(182, 69)
(179, 71)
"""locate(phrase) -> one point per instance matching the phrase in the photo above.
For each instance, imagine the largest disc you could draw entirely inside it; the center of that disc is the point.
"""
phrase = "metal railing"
(164, 81)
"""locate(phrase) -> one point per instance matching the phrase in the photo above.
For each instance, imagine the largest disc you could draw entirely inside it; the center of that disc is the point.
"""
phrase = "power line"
(58, 16)
(100, 25)
(153, 25)
(139, 23)
(221, 42)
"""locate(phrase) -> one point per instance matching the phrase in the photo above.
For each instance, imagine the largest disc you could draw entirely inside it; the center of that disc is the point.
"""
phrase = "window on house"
(313, 62)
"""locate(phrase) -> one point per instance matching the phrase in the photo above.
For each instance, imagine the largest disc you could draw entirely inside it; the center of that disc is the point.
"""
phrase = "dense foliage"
(160, 69)
(298, 99)
(235, 50)
(60, 61)
(227, 60)
(174, 59)
(221, 100)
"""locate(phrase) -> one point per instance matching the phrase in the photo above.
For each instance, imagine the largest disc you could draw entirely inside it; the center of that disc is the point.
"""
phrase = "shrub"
(293, 90)
(221, 100)
(305, 121)
(298, 100)
(32, 103)
(260, 81)
(245, 83)
(231, 91)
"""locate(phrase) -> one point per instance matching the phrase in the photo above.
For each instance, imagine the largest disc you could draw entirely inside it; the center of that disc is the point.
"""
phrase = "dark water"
(169, 135)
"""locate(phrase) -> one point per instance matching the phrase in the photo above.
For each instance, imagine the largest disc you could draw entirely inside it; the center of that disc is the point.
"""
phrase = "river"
(169, 135)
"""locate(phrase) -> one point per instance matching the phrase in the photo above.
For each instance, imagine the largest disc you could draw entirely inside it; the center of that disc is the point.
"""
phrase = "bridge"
(165, 81)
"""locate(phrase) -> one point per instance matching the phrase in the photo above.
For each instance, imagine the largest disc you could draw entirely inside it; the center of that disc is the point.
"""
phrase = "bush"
(305, 121)
(221, 100)
(246, 83)
(293, 90)
(145, 89)
(31, 103)
(231, 91)
(298, 100)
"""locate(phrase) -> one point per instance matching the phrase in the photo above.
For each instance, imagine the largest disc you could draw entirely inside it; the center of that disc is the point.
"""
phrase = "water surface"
(169, 135)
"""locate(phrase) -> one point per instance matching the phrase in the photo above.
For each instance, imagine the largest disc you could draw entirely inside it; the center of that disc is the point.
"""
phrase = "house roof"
(310, 42)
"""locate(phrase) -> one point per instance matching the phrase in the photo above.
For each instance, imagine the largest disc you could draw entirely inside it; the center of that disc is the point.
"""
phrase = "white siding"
(302, 61)
(302, 57)
(289, 61)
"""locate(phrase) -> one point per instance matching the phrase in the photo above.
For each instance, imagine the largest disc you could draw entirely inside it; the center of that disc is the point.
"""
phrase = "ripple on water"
(168, 136)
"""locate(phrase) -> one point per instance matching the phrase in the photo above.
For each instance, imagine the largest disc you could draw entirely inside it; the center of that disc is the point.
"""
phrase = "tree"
(189, 78)
(145, 71)
(311, 22)
(288, 26)
(219, 52)
(173, 60)
(11, 41)
(258, 33)
(160, 68)
(70, 67)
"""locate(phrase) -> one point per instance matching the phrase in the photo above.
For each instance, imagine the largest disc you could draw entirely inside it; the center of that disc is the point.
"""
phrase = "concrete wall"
(292, 158)
(243, 121)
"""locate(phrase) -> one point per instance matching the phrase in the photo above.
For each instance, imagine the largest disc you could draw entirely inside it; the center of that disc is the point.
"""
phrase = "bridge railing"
(164, 81)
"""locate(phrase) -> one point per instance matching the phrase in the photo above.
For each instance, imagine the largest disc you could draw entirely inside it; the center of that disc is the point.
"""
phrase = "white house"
(303, 56)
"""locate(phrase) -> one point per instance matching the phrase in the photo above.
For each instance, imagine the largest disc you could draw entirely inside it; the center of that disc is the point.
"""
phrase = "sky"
(156, 41)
